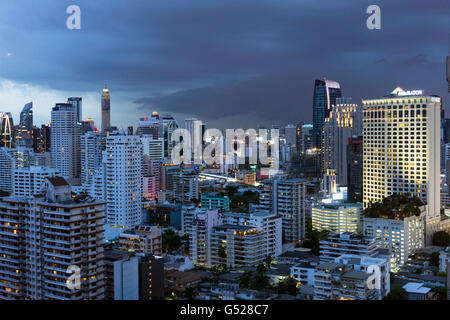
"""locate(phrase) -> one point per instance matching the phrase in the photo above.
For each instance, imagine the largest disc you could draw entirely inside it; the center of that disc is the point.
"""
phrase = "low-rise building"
(236, 246)
(337, 217)
(215, 200)
(347, 243)
(335, 281)
(142, 239)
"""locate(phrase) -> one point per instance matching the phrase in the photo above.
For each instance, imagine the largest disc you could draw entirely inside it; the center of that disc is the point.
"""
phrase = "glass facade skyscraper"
(25, 130)
(325, 94)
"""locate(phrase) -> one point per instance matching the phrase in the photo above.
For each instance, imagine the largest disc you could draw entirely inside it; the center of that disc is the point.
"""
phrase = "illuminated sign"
(410, 93)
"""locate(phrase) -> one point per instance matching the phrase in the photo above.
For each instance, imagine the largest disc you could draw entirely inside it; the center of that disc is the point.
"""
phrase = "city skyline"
(220, 79)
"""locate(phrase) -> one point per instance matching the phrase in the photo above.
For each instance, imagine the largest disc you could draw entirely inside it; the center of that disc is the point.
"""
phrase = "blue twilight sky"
(231, 63)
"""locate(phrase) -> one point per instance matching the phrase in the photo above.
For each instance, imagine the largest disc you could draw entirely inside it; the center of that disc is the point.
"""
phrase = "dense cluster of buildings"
(108, 214)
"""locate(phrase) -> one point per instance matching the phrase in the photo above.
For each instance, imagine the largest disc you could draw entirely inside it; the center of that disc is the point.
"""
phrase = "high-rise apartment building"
(325, 94)
(45, 239)
(343, 122)
(65, 142)
(122, 159)
(402, 150)
(287, 199)
(106, 110)
(92, 145)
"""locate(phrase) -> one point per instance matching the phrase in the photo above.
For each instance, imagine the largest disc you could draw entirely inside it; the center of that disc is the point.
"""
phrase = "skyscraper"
(92, 145)
(169, 125)
(355, 169)
(402, 149)
(77, 103)
(106, 109)
(123, 180)
(6, 130)
(25, 130)
(65, 142)
(325, 94)
(343, 122)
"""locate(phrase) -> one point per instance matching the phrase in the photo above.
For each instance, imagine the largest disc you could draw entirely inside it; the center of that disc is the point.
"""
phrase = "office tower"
(92, 145)
(290, 132)
(142, 239)
(106, 110)
(28, 181)
(13, 158)
(298, 139)
(402, 150)
(343, 122)
(25, 129)
(355, 169)
(6, 130)
(153, 147)
(307, 131)
(403, 235)
(269, 223)
(42, 236)
(65, 142)
(337, 217)
(235, 246)
(185, 186)
(347, 243)
(198, 224)
(41, 139)
(169, 125)
(287, 199)
(123, 181)
(149, 126)
(194, 127)
(77, 102)
(325, 94)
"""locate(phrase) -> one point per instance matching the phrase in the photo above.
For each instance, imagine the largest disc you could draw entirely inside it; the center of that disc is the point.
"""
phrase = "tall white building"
(28, 181)
(287, 199)
(65, 141)
(123, 181)
(92, 145)
(344, 121)
(402, 150)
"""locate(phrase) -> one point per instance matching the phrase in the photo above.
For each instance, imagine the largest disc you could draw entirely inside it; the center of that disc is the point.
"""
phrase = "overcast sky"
(231, 63)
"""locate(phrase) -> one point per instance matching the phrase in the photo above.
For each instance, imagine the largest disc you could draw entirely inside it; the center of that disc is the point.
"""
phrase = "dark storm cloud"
(220, 60)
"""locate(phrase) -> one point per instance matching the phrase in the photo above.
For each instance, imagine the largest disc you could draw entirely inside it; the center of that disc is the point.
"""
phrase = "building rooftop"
(58, 181)
(415, 287)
